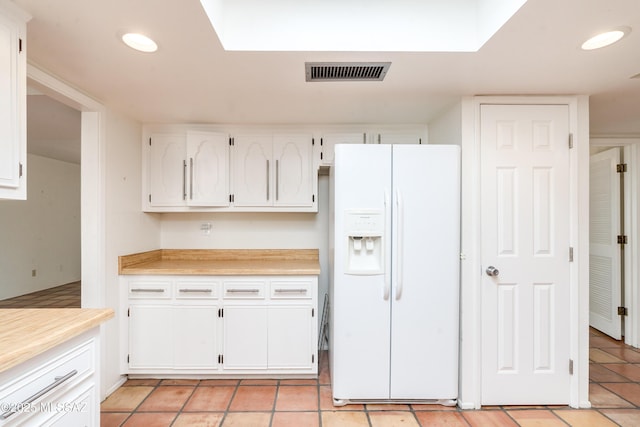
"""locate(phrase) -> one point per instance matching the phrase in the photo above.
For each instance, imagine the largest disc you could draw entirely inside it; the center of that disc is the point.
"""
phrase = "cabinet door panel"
(195, 344)
(399, 138)
(208, 157)
(76, 411)
(150, 336)
(253, 168)
(329, 141)
(290, 340)
(167, 170)
(293, 164)
(245, 337)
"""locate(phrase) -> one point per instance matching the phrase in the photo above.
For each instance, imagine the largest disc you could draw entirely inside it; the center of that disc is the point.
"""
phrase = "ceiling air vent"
(346, 71)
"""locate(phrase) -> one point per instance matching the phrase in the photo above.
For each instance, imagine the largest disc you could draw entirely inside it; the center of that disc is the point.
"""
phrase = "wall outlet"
(206, 227)
(33, 273)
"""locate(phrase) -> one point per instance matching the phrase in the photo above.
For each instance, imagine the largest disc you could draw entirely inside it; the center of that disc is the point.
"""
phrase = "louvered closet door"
(605, 285)
(525, 235)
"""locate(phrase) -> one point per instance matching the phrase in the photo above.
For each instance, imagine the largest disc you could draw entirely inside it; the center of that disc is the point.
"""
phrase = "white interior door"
(605, 287)
(525, 236)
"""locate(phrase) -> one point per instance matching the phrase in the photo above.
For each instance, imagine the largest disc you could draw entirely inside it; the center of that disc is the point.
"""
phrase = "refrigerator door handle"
(399, 239)
(387, 270)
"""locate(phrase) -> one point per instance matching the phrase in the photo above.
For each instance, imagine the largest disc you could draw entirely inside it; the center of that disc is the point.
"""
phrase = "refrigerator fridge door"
(394, 330)
(425, 270)
(360, 306)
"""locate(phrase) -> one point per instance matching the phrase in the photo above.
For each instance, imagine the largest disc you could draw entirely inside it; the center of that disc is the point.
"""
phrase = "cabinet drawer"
(150, 289)
(291, 290)
(244, 289)
(197, 290)
(26, 392)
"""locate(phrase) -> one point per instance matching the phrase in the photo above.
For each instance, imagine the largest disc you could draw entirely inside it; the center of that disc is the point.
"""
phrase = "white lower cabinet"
(150, 336)
(56, 388)
(194, 345)
(245, 338)
(291, 343)
(220, 326)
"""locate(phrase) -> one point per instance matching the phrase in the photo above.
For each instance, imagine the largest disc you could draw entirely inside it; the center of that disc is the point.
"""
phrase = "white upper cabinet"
(293, 174)
(273, 171)
(13, 81)
(252, 163)
(167, 170)
(188, 170)
(329, 141)
(208, 158)
(399, 138)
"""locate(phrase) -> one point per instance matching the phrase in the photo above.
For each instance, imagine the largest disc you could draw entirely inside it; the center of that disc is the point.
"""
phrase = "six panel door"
(525, 237)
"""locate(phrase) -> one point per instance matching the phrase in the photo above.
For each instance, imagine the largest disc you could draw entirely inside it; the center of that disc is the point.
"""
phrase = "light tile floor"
(614, 394)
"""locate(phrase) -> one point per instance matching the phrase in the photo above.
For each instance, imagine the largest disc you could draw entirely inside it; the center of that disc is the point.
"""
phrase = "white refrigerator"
(394, 273)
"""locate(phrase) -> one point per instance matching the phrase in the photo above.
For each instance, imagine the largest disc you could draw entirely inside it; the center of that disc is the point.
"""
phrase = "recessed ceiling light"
(139, 42)
(605, 39)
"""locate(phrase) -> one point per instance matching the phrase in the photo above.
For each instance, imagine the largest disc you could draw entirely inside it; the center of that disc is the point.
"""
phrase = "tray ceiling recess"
(346, 71)
(358, 25)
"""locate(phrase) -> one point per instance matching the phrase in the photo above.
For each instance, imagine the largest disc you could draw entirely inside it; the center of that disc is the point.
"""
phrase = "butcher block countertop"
(25, 333)
(222, 262)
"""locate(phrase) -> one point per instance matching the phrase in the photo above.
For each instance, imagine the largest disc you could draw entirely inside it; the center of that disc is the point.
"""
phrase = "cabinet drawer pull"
(267, 180)
(191, 178)
(159, 290)
(277, 179)
(243, 291)
(184, 180)
(58, 381)
(291, 291)
(193, 291)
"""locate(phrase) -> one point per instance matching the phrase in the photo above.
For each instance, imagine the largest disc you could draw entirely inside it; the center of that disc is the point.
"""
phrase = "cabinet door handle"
(291, 291)
(193, 291)
(191, 178)
(277, 179)
(267, 179)
(184, 180)
(147, 290)
(243, 291)
(57, 382)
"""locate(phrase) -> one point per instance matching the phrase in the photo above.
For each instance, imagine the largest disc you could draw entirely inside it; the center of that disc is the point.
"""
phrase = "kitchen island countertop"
(27, 332)
(221, 262)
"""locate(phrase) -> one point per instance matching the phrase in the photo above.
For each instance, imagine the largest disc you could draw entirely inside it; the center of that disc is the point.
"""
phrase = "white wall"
(127, 229)
(43, 232)
(447, 127)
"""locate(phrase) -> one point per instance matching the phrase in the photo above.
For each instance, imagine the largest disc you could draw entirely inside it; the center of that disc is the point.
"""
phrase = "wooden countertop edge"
(38, 338)
(148, 262)
(219, 271)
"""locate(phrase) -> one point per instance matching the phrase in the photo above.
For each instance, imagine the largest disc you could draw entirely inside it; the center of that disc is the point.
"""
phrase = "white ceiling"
(192, 79)
(53, 129)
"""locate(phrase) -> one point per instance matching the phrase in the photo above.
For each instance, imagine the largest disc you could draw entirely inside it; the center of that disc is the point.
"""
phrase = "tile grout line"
(233, 395)
(184, 404)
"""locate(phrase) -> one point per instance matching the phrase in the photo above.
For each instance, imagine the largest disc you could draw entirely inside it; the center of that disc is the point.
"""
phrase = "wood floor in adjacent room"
(64, 296)
(614, 393)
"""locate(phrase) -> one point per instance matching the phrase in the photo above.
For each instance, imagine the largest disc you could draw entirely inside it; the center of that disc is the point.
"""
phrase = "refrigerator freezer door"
(360, 304)
(425, 265)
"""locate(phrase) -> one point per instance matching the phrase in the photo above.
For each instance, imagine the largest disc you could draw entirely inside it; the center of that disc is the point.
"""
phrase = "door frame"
(471, 272)
(631, 179)
(92, 191)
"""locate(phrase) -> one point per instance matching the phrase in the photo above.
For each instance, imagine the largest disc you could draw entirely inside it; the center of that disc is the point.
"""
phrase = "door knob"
(492, 271)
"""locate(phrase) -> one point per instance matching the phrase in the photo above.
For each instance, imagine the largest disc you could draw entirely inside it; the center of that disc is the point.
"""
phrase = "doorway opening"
(43, 232)
(614, 275)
